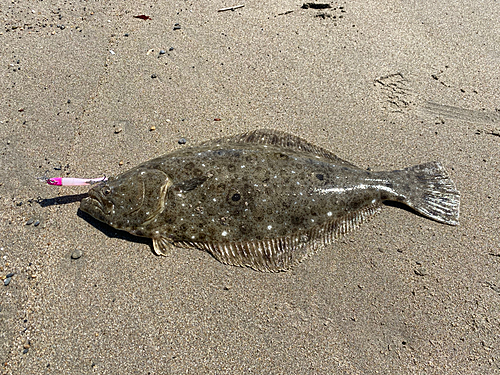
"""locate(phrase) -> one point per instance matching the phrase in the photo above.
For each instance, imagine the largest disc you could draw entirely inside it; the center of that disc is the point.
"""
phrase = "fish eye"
(106, 190)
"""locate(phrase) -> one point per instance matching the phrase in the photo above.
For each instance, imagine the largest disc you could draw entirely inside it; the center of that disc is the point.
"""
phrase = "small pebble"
(7, 281)
(10, 274)
(162, 52)
(171, 49)
(182, 141)
(177, 26)
(36, 223)
(30, 221)
(76, 254)
(153, 76)
(119, 130)
(120, 163)
(420, 272)
(152, 128)
(25, 351)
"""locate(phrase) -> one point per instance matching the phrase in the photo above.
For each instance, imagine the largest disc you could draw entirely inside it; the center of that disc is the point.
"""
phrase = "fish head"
(130, 200)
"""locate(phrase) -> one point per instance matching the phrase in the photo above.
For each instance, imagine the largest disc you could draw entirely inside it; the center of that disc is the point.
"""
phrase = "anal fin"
(282, 253)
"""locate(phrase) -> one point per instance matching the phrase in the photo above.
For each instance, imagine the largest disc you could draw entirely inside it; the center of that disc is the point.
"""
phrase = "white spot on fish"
(373, 201)
(242, 166)
(192, 237)
(215, 199)
(224, 234)
(269, 227)
(329, 213)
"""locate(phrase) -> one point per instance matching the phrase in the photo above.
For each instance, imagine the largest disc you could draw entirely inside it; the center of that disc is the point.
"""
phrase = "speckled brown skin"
(262, 194)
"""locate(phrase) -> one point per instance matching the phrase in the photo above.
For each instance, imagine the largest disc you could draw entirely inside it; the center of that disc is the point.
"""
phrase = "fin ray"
(162, 246)
(433, 194)
(280, 254)
(281, 139)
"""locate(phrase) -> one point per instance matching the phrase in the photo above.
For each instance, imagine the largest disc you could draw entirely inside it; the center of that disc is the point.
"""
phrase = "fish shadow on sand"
(104, 228)
(112, 232)
(403, 206)
(65, 199)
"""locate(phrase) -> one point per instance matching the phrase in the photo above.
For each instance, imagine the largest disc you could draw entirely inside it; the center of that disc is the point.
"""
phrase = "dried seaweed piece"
(143, 17)
(316, 6)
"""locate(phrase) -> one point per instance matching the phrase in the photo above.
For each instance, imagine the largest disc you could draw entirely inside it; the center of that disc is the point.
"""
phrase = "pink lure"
(62, 181)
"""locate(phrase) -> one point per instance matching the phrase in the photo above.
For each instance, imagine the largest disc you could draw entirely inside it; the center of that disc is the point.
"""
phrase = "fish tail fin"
(432, 193)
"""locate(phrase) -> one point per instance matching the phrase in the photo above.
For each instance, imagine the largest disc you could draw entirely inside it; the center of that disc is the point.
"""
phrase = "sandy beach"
(93, 89)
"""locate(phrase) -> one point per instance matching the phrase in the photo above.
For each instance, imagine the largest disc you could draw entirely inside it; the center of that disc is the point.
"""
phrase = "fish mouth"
(94, 199)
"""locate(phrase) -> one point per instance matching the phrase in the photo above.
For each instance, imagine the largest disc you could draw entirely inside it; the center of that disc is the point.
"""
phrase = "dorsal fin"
(281, 139)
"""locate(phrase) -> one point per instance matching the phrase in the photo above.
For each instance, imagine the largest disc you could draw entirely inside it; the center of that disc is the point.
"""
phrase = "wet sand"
(384, 85)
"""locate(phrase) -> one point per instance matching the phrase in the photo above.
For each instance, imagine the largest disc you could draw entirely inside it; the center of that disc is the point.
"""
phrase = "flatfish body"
(263, 199)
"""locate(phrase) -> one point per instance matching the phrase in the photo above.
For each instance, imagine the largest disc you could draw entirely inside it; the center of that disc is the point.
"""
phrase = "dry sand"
(383, 84)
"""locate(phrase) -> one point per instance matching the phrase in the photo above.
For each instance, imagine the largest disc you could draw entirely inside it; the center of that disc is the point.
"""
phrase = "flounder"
(264, 199)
